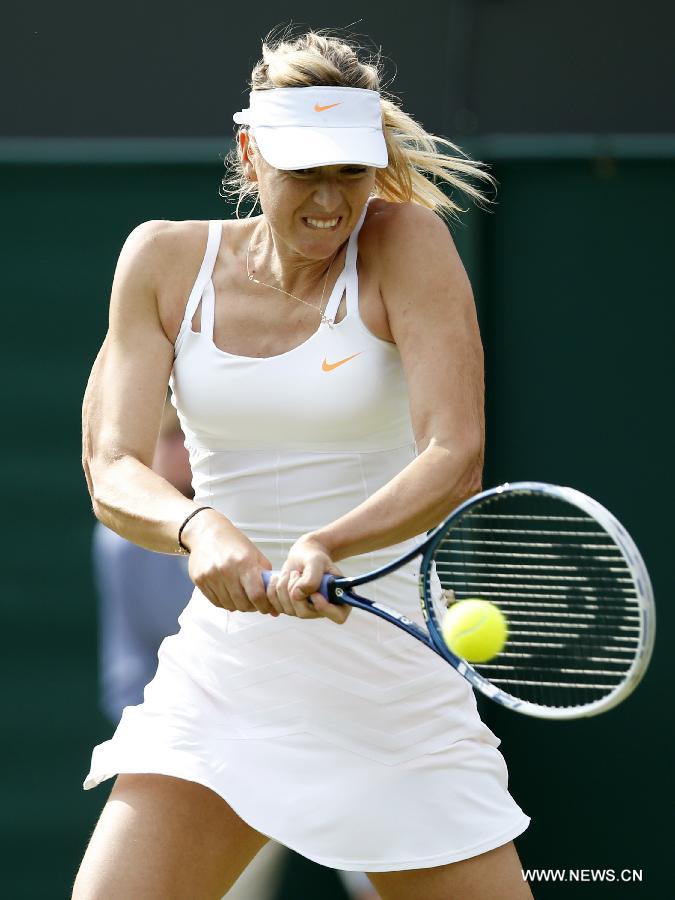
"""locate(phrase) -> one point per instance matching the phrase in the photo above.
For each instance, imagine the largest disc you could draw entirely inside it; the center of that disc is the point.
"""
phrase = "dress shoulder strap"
(203, 278)
(336, 296)
(351, 276)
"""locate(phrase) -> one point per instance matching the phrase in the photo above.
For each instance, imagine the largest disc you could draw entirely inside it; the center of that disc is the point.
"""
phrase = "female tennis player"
(327, 370)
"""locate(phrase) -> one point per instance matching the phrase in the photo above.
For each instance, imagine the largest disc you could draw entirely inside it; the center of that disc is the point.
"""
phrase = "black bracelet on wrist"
(182, 546)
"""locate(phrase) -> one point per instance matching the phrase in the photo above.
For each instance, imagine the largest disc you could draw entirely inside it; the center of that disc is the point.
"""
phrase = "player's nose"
(327, 197)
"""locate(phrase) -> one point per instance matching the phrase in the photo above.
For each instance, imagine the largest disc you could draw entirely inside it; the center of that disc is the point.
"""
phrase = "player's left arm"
(432, 318)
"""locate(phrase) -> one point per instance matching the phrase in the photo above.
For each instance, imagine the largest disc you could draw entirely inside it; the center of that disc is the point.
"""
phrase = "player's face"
(312, 211)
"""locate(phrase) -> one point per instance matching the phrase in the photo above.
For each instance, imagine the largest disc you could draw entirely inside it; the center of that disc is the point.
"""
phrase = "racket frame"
(339, 589)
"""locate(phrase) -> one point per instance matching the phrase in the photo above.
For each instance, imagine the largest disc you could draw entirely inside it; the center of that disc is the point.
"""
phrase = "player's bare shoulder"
(409, 252)
(171, 252)
(404, 237)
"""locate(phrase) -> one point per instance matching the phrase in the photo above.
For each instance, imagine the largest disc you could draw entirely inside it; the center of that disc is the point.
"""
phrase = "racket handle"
(323, 587)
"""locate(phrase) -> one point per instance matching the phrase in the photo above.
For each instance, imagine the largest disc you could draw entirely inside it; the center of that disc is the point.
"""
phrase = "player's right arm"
(121, 418)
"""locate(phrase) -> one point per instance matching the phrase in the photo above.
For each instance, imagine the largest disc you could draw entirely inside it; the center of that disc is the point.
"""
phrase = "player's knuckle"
(258, 596)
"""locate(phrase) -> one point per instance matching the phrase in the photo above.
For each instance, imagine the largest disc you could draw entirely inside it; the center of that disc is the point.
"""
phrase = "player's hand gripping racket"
(568, 580)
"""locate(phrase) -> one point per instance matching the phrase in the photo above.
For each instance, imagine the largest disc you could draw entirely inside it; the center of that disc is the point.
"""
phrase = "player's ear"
(248, 153)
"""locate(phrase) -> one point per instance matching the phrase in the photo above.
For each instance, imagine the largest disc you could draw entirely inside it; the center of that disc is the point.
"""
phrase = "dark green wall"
(577, 308)
(463, 67)
(573, 274)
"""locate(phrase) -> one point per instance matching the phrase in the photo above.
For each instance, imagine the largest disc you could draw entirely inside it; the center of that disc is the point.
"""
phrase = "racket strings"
(563, 586)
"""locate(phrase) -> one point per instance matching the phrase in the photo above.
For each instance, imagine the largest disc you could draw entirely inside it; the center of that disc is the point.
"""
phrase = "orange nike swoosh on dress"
(319, 108)
(328, 367)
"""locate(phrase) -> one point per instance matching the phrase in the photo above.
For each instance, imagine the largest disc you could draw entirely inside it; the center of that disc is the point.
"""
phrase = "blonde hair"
(418, 165)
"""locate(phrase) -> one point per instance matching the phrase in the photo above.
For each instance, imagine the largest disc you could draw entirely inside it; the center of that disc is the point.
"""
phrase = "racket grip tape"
(323, 587)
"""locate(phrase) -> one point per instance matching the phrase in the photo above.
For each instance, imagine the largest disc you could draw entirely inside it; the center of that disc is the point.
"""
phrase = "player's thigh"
(496, 873)
(162, 837)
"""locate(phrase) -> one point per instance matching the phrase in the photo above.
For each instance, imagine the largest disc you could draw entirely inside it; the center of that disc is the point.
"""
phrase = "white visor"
(300, 128)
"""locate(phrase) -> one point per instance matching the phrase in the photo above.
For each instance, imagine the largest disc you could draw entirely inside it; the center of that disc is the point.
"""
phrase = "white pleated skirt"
(353, 745)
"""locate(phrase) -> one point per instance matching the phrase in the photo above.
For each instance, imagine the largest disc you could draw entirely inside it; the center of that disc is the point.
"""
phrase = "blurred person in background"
(140, 593)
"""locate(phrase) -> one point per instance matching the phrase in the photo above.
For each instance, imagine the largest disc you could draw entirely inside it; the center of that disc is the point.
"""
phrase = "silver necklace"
(324, 319)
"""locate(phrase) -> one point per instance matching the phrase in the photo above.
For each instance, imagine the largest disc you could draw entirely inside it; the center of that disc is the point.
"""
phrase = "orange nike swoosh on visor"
(319, 108)
(328, 367)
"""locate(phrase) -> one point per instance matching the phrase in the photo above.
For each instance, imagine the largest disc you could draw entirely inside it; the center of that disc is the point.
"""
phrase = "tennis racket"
(568, 579)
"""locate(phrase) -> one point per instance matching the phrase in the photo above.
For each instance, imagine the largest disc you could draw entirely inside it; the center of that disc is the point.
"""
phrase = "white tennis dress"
(353, 745)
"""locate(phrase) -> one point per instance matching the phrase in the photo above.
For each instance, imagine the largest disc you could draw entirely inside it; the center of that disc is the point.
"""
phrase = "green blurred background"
(572, 272)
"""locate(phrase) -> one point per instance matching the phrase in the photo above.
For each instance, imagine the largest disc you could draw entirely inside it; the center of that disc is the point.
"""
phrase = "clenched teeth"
(322, 223)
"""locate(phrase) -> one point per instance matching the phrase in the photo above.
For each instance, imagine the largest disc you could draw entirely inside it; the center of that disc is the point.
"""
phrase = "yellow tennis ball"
(474, 629)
